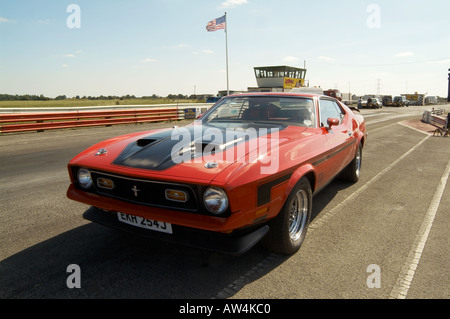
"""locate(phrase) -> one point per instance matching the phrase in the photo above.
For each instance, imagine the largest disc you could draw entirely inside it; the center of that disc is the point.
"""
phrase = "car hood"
(194, 152)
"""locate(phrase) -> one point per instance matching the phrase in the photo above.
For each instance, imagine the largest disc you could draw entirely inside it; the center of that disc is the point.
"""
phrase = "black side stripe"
(263, 195)
(327, 157)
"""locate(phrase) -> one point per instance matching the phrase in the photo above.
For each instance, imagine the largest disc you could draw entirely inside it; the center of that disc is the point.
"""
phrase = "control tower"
(279, 78)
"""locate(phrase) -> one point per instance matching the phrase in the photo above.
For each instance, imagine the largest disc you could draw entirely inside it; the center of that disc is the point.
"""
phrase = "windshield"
(269, 110)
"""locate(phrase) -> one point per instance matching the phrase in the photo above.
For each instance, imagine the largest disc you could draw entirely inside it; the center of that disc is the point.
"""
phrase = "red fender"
(304, 170)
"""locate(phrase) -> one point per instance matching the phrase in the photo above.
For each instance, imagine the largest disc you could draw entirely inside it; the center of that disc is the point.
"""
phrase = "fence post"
(426, 117)
(448, 95)
(39, 131)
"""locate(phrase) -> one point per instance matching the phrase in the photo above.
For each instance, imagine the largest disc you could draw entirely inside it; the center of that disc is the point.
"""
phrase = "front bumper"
(236, 243)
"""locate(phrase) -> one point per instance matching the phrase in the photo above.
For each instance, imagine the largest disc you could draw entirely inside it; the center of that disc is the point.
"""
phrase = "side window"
(329, 109)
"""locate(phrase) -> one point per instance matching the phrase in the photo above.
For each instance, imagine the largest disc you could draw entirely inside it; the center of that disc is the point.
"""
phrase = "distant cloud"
(290, 59)
(404, 54)
(46, 21)
(65, 65)
(325, 58)
(72, 56)
(232, 3)
(5, 20)
(445, 61)
(148, 60)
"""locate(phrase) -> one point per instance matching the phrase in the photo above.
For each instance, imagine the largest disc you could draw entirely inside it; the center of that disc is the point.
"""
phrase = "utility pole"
(448, 95)
(448, 99)
(378, 88)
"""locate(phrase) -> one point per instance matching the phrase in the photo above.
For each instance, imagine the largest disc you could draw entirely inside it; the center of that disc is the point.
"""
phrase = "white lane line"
(374, 114)
(318, 222)
(403, 283)
(388, 118)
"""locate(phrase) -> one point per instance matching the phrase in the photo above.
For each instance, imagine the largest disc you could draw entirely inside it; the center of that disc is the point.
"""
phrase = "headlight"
(84, 178)
(215, 200)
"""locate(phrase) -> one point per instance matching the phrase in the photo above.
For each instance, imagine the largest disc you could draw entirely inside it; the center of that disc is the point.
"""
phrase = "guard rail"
(436, 117)
(23, 122)
(40, 119)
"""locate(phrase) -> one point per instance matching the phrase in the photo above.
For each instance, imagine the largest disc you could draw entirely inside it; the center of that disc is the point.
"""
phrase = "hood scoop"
(145, 141)
(147, 153)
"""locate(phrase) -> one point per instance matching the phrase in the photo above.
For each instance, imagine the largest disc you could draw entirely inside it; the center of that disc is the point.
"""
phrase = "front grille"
(145, 192)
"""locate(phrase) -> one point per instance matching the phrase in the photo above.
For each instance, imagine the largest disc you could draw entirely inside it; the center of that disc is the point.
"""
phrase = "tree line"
(30, 97)
(26, 97)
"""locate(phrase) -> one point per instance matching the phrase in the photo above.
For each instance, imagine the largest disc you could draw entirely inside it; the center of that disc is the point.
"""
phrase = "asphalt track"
(383, 237)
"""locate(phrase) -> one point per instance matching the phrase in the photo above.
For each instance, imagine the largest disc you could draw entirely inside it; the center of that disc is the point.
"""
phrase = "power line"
(444, 60)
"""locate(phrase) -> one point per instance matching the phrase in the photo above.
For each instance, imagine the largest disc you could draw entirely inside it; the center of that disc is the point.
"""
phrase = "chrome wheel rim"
(298, 213)
(358, 162)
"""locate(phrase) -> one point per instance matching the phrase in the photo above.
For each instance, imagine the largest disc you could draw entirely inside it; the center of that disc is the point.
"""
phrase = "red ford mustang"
(245, 172)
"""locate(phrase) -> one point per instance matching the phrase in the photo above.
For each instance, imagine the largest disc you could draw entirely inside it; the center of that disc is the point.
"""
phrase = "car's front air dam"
(236, 243)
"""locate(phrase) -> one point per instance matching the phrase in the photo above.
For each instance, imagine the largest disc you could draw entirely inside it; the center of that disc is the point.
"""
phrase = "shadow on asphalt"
(115, 264)
(324, 197)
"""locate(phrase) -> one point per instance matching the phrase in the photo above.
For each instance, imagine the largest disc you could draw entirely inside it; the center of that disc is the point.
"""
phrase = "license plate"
(145, 223)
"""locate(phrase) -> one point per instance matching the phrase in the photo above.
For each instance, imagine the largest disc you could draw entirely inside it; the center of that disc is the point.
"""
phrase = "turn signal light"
(105, 183)
(176, 195)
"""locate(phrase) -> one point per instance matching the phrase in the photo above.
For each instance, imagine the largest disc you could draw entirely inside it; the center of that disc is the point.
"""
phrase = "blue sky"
(162, 46)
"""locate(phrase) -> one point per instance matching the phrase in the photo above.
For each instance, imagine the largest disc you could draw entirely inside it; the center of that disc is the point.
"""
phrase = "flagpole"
(226, 47)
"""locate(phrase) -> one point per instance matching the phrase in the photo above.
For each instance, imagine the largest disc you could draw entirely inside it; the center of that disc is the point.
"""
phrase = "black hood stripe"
(153, 152)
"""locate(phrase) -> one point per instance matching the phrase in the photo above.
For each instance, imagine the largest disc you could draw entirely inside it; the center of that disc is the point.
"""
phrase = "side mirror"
(332, 122)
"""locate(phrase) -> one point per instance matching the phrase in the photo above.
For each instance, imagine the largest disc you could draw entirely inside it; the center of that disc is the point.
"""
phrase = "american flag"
(217, 24)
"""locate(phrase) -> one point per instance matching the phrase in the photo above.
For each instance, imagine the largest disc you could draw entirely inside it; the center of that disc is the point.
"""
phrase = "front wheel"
(288, 229)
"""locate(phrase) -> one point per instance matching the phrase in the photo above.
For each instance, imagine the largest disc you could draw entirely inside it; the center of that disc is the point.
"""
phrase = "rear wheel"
(288, 229)
(352, 171)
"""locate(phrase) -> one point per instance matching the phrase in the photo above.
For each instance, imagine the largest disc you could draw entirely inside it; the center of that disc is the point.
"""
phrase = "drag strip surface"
(360, 243)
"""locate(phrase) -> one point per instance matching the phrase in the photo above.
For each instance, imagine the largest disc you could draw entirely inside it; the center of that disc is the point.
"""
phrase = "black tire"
(288, 229)
(353, 170)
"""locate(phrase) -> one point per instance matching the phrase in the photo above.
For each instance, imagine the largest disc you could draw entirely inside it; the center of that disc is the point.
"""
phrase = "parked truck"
(333, 93)
(387, 100)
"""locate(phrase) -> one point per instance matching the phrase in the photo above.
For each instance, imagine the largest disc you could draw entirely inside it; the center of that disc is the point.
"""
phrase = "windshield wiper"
(224, 120)
(274, 123)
